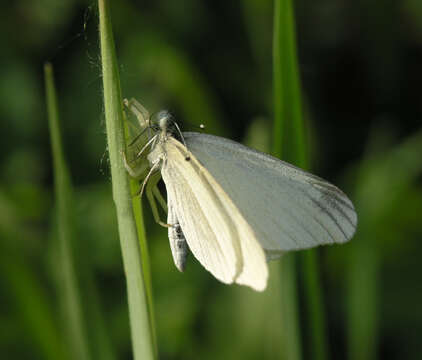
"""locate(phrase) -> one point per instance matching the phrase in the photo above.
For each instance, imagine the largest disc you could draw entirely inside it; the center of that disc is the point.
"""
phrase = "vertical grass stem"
(139, 311)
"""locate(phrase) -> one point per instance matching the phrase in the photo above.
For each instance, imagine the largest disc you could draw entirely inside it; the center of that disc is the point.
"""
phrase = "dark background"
(210, 62)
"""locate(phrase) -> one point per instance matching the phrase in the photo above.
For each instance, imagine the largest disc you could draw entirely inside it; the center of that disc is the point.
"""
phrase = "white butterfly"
(234, 207)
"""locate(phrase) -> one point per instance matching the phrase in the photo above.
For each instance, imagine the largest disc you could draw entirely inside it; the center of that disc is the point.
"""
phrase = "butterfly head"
(164, 123)
(164, 118)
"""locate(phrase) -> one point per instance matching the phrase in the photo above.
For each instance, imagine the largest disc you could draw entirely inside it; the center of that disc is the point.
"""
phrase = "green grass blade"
(99, 334)
(291, 340)
(315, 310)
(70, 296)
(31, 303)
(289, 134)
(146, 269)
(290, 144)
(284, 80)
(384, 177)
(362, 299)
(139, 311)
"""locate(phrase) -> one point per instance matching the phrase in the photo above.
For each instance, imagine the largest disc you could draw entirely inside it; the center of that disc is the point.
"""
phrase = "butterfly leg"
(135, 172)
(139, 111)
(152, 192)
(160, 198)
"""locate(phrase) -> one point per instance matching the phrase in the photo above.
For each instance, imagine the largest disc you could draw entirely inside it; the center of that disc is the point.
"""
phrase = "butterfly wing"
(216, 232)
(287, 208)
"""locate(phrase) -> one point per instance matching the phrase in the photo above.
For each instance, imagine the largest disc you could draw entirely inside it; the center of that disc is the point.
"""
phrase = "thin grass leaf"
(284, 81)
(290, 144)
(31, 302)
(362, 300)
(289, 134)
(32, 306)
(146, 269)
(140, 313)
(383, 178)
(101, 345)
(314, 301)
(70, 296)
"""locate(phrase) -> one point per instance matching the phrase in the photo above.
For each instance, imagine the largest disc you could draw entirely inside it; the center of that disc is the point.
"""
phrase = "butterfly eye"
(155, 127)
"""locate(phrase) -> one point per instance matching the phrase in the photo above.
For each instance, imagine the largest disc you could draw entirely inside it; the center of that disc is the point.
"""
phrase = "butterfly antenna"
(138, 136)
(187, 158)
(150, 141)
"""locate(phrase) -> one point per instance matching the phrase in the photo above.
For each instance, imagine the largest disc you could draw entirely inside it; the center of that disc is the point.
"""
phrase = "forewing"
(217, 234)
(287, 208)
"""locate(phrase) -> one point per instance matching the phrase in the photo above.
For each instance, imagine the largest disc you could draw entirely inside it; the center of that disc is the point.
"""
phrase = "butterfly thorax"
(162, 129)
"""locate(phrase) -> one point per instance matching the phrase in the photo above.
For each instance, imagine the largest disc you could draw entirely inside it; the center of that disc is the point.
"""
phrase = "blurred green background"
(210, 62)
